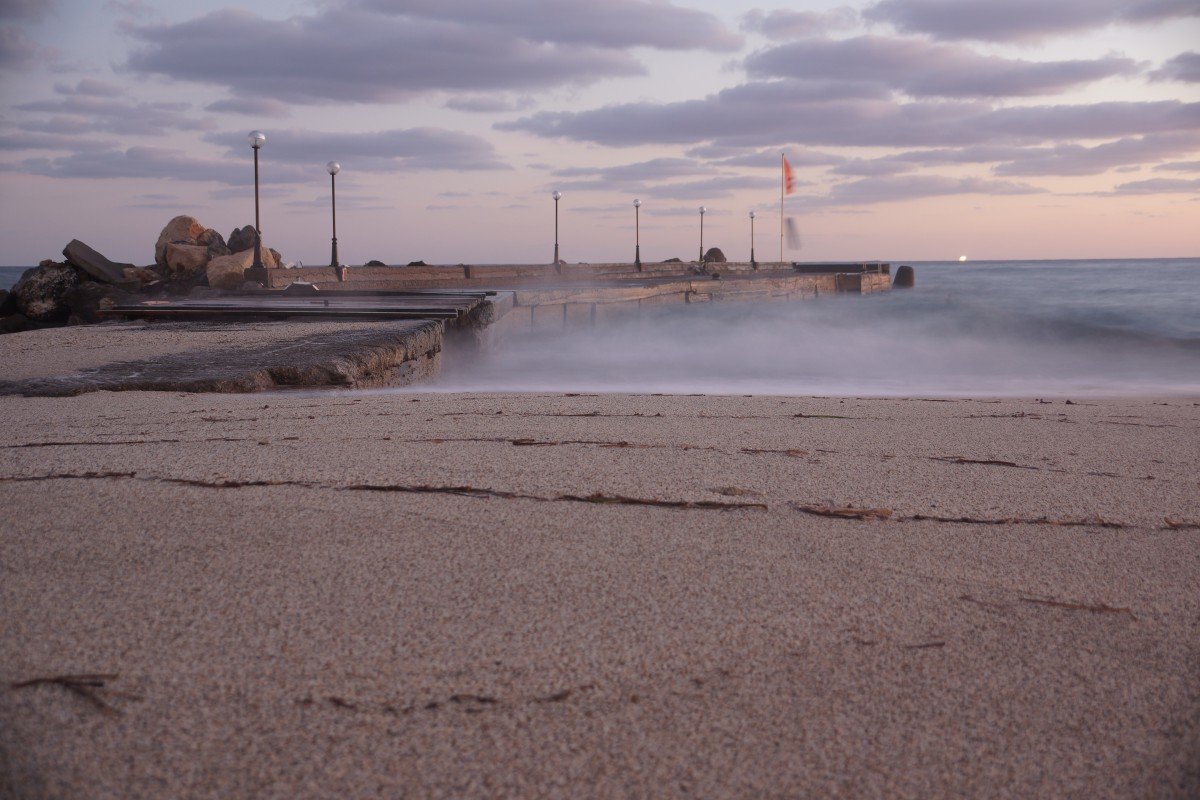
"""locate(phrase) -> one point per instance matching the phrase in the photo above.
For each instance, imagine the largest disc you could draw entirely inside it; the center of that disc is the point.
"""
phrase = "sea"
(1068, 328)
(1063, 328)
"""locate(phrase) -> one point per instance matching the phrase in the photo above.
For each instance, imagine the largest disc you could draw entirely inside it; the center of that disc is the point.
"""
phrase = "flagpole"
(782, 186)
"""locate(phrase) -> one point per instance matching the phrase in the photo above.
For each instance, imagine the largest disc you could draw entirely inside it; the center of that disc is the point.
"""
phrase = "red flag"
(789, 180)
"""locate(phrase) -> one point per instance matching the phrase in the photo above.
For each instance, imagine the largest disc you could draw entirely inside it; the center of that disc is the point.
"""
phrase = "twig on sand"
(86, 686)
(1093, 522)
(848, 512)
(981, 461)
(1098, 608)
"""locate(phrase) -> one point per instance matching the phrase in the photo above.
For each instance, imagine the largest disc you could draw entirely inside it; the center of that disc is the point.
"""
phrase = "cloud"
(1020, 20)
(782, 24)
(924, 69)
(26, 10)
(1076, 159)
(489, 104)
(346, 201)
(1067, 158)
(373, 51)
(656, 169)
(768, 158)
(17, 51)
(763, 114)
(156, 163)
(1179, 166)
(1184, 67)
(27, 140)
(382, 151)
(250, 106)
(94, 106)
(89, 87)
(712, 188)
(1157, 186)
(612, 24)
(890, 189)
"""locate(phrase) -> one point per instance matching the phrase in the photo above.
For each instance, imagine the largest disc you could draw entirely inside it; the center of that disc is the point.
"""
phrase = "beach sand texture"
(406, 594)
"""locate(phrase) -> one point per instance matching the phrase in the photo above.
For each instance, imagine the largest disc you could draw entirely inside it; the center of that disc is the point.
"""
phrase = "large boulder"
(95, 265)
(228, 272)
(8, 303)
(41, 290)
(185, 261)
(215, 243)
(241, 239)
(183, 229)
(714, 256)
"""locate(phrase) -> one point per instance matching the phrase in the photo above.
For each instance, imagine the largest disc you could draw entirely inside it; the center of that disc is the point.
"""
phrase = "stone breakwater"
(190, 259)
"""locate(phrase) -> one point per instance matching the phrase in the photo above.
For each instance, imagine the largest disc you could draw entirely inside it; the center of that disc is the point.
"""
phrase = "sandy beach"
(408, 594)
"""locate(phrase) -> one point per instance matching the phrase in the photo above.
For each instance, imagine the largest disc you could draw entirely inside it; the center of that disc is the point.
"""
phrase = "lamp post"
(702, 210)
(557, 195)
(637, 234)
(257, 139)
(333, 168)
(753, 263)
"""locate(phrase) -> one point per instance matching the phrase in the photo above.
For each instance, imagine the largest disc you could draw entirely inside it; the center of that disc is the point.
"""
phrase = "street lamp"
(637, 234)
(702, 210)
(557, 195)
(257, 139)
(753, 263)
(333, 168)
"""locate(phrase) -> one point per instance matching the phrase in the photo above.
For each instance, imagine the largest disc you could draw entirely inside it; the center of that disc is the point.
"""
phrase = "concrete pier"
(380, 326)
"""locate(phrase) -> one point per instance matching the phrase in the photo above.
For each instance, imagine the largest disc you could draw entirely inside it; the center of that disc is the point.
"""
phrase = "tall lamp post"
(702, 210)
(557, 195)
(637, 234)
(257, 139)
(753, 263)
(333, 168)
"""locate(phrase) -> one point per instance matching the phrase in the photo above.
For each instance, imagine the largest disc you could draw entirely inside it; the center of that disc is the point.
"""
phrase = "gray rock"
(906, 278)
(94, 264)
(8, 303)
(374, 263)
(241, 239)
(16, 323)
(88, 298)
(714, 256)
(41, 290)
(275, 255)
(215, 243)
(417, 264)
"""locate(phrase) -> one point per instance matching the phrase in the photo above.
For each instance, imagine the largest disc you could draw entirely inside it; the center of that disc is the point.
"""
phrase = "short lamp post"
(753, 263)
(702, 210)
(637, 234)
(257, 272)
(557, 195)
(333, 168)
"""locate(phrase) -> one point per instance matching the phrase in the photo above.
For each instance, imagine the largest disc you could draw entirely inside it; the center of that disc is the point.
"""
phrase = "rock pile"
(187, 257)
(185, 248)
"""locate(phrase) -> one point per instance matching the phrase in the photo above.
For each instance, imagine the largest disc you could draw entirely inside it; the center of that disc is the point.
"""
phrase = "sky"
(917, 129)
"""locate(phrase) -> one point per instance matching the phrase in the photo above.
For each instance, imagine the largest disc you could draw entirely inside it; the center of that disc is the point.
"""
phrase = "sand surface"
(429, 595)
